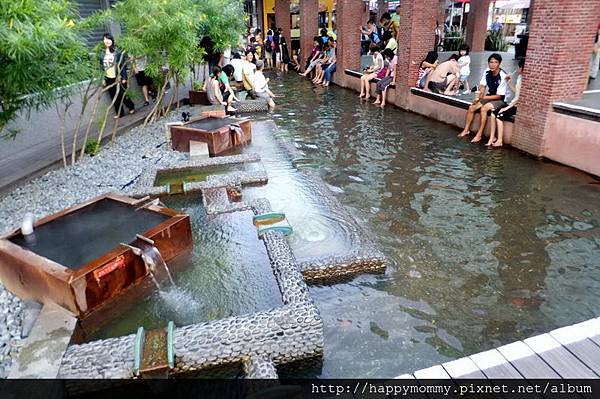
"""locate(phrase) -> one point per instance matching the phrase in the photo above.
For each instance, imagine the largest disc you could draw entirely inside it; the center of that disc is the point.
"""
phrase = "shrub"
(496, 41)
(92, 147)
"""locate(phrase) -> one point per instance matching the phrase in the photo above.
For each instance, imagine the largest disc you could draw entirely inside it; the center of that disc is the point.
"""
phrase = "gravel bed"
(114, 169)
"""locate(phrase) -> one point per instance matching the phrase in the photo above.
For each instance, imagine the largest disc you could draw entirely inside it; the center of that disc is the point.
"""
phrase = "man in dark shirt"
(494, 79)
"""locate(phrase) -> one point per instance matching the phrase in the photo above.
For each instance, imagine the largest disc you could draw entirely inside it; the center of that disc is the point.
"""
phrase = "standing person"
(396, 16)
(439, 37)
(261, 85)
(595, 61)
(276, 48)
(371, 73)
(114, 64)
(388, 25)
(388, 79)
(285, 55)
(324, 36)
(269, 49)
(259, 43)
(494, 79)
(370, 34)
(505, 113)
(465, 68)
(248, 70)
(144, 81)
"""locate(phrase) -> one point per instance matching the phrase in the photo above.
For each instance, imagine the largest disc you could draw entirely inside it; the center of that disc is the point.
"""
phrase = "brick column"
(417, 37)
(349, 18)
(560, 38)
(283, 19)
(477, 24)
(309, 25)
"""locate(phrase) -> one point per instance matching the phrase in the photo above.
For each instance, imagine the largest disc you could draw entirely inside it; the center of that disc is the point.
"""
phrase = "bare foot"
(464, 133)
(382, 106)
(361, 95)
(497, 144)
(376, 102)
(367, 96)
(489, 143)
(476, 139)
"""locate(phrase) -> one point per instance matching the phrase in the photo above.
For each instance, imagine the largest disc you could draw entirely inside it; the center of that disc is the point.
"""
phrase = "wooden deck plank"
(405, 377)
(526, 361)
(559, 358)
(494, 365)
(463, 368)
(592, 329)
(434, 372)
(579, 345)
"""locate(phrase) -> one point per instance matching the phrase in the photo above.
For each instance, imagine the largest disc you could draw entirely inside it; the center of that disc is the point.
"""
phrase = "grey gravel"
(115, 169)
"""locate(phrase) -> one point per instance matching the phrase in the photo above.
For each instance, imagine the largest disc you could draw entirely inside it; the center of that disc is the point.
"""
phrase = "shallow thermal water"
(485, 246)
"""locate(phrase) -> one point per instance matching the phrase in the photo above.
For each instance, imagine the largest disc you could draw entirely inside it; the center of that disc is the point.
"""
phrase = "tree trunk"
(84, 103)
(152, 115)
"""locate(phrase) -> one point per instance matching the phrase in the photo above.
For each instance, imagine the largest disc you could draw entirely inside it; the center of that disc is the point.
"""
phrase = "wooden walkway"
(571, 352)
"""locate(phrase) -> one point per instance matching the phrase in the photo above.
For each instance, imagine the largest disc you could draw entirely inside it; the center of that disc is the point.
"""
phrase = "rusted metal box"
(74, 257)
(216, 132)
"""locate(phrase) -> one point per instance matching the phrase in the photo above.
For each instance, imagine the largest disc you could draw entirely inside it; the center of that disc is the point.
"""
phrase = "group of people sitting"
(322, 59)
(496, 97)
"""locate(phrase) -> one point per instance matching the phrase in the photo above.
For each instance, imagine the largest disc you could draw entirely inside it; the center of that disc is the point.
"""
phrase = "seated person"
(226, 89)
(444, 77)
(238, 75)
(388, 79)
(261, 85)
(506, 112)
(427, 65)
(329, 56)
(212, 88)
(494, 79)
(317, 61)
(371, 73)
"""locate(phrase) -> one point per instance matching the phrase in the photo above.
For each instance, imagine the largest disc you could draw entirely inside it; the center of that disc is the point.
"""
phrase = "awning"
(512, 4)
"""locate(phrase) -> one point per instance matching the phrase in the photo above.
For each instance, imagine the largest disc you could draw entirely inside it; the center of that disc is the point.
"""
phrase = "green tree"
(165, 33)
(42, 56)
(223, 21)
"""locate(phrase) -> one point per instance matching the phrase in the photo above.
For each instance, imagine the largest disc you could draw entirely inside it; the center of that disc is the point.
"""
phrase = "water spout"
(156, 265)
(27, 225)
(238, 133)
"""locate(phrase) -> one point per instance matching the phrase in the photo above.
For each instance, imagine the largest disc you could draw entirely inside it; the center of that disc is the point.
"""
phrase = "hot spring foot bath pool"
(483, 247)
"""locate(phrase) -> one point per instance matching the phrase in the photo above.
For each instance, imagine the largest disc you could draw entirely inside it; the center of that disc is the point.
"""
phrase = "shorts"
(464, 78)
(506, 115)
(278, 57)
(495, 103)
(263, 94)
(142, 79)
(437, 87)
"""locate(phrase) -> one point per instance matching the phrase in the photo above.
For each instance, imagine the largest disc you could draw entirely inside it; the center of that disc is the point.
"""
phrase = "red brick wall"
(349, 17)
(417, 37)
(560, 42)
(309, 26)
(477, 24)
(283, 19)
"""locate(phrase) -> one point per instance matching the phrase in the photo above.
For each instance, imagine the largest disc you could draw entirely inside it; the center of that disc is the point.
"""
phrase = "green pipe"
(170, 348)
(138, 349)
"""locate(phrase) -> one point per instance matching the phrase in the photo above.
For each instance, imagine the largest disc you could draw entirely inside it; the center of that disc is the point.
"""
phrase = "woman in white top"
(370, 73)
(505, 113)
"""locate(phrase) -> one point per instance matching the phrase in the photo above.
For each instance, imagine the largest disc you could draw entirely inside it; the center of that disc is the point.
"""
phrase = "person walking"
(114, 65)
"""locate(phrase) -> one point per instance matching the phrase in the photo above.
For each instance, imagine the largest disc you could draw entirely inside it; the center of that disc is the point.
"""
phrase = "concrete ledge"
(358, 74)
(577, 111)
(43, 351)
